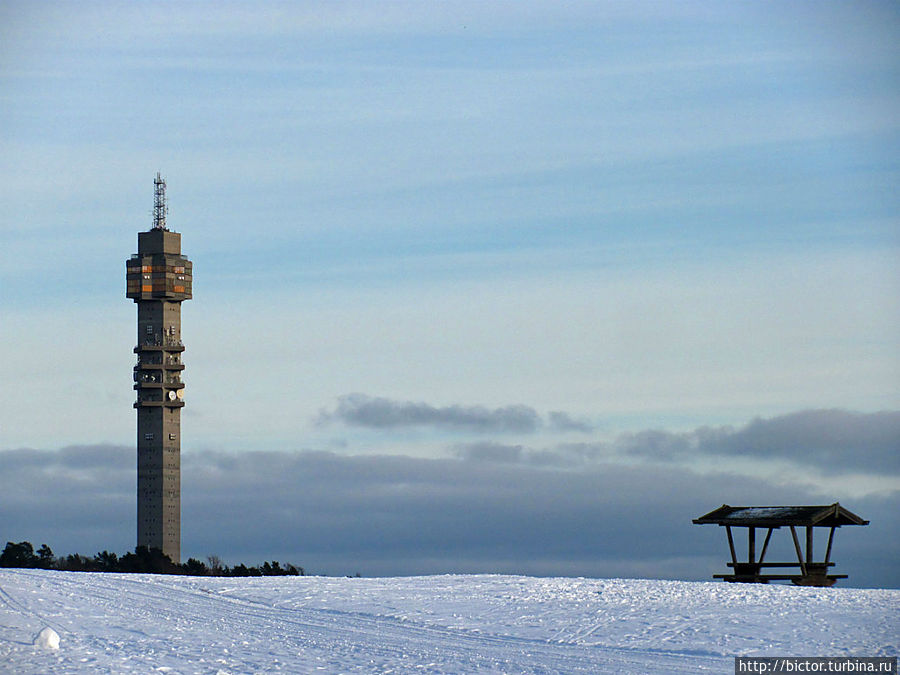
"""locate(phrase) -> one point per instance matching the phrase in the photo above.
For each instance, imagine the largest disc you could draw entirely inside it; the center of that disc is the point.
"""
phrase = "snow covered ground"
(112, 623)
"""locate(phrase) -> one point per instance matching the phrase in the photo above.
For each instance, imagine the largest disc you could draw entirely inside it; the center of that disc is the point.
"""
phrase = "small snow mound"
(47, 639)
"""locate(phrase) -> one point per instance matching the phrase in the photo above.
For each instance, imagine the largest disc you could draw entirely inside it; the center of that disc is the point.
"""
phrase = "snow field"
(110, 623)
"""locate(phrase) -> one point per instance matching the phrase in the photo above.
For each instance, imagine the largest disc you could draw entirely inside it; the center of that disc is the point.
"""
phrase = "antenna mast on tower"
(160, 210)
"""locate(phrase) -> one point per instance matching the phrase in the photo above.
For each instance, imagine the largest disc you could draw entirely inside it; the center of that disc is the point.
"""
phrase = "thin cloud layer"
(375, 412)
(381, 413)
(489, 452)
(566, 456)
(561, 421)
(829, 441)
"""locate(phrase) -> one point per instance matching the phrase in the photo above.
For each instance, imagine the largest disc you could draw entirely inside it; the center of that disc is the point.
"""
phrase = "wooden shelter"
(771, 518)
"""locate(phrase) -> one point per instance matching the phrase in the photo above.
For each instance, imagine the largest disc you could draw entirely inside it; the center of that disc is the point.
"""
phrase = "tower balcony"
(158, 366)
(158, 404)
(159, 396)
(160, 346)
(165, 383)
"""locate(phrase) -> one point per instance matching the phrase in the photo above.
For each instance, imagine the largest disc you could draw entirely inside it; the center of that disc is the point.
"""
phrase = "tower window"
(171, 437)
(148, 437)
(149, 330)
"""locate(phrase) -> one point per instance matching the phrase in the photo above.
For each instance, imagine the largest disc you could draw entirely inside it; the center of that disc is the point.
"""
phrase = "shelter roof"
(833, 515)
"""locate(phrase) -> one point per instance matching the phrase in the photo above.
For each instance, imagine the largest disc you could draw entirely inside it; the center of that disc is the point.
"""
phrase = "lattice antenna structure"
(160, 208)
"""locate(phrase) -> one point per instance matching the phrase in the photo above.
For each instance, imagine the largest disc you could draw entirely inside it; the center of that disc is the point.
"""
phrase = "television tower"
(159, 280)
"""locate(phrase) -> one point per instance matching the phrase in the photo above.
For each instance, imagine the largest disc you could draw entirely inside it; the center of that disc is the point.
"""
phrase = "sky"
(510, 280)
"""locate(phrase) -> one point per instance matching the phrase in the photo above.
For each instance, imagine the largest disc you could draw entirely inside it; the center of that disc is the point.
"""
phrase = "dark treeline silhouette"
(142, 560)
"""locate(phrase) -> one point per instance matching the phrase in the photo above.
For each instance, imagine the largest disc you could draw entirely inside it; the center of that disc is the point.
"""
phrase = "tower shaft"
(159, 279)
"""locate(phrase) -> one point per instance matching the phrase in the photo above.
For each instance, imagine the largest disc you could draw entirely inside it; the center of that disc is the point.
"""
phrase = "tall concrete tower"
(159, 280)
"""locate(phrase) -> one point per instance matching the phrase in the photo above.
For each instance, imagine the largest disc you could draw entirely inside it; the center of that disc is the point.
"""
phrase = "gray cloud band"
(403, 515)
(829, 440)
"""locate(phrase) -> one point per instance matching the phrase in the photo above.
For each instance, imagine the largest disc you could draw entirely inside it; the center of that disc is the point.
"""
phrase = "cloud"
(79, 494)
(830, 441)
(563, 422)
(375, 412)
(401, 515)
(382, 413)
(656, 444)
(826, 441)
(566, 456)
(489, 452)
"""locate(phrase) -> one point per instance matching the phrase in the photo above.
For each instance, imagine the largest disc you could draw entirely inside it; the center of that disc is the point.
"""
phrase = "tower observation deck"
(158, 279)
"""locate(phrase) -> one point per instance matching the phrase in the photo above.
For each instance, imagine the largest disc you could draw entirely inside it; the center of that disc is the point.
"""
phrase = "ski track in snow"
(114, 623)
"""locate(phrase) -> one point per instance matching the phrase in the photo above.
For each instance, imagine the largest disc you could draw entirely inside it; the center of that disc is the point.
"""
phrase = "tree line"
(143, 559)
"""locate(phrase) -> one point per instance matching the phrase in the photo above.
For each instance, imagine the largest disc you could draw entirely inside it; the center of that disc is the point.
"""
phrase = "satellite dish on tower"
(172, 395)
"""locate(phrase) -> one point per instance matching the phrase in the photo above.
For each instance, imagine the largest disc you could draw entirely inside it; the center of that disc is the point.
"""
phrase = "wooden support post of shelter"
(808, 572)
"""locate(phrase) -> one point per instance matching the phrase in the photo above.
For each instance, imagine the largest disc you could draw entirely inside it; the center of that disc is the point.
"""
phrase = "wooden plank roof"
(833, 515)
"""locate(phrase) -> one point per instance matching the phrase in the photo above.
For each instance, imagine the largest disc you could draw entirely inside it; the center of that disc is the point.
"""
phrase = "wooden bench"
(815, 574)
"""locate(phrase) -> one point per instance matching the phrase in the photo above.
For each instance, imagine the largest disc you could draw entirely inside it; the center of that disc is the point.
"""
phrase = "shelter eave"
(831, 515)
